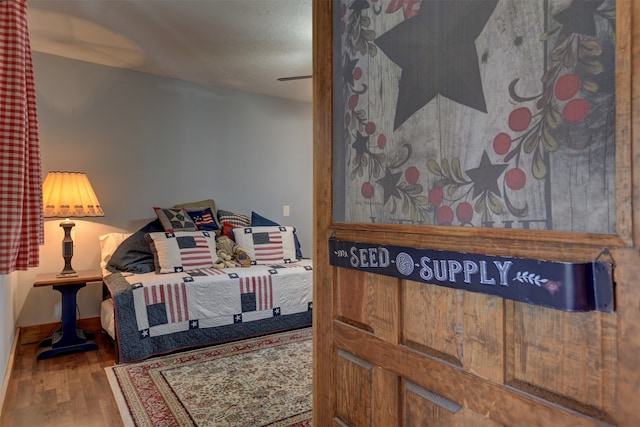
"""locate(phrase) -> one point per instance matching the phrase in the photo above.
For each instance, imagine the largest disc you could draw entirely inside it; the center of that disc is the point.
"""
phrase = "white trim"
(9, 370)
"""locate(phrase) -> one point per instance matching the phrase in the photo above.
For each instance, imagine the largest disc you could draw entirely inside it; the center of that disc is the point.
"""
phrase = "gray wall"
(147, 141)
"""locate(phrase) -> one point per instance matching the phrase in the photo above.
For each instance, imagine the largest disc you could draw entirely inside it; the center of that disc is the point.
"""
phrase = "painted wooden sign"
(480, 113)
(564, 286)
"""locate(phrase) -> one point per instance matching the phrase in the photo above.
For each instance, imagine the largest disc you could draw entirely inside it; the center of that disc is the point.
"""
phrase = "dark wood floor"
(67, 390)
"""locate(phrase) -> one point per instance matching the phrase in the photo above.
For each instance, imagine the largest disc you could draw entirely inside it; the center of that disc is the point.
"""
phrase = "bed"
(162, 294)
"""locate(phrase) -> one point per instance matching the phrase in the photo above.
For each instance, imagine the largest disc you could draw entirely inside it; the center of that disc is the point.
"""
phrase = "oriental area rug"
(259, 382)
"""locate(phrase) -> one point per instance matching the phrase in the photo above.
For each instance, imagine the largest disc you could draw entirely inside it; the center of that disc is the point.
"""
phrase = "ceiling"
(238, 44)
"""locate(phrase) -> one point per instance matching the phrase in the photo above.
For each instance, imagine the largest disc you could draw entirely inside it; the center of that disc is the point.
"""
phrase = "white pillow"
(267, 245)
(182, 250)
(108, 244)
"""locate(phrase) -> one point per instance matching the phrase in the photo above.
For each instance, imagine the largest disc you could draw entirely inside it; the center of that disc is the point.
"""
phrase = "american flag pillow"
(267, 245)
(182, 250)
(204, 218)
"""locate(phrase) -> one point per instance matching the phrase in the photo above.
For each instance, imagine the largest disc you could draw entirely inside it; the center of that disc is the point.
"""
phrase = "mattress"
(107, 318)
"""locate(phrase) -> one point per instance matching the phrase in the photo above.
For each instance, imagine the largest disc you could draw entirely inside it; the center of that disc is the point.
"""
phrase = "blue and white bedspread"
(161, 313)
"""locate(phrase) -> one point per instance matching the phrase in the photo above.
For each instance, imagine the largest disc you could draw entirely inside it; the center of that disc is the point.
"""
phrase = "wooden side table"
(69, 337)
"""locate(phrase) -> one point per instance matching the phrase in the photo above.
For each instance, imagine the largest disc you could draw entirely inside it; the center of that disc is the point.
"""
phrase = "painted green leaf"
(592, 67)
(545, 36)
(549, 142)
(531, 142)
(413, 189)
(495, 204)
(368, 35)
(445, 168)
(457, 170)
(395, 162)
(538, 168)
(433, 167)
(589, 86)
(553, 118)
(479, 206)
(589, 47)
(421, 200)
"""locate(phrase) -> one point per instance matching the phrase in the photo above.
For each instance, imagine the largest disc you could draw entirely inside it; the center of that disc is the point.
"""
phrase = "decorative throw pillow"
(267, 245)
(108, 244)
(258, 220)
(203, 217)
(134, 255)
(175, 219)
(227, 230)
(182, 250)
(208, 203)
(237, 219)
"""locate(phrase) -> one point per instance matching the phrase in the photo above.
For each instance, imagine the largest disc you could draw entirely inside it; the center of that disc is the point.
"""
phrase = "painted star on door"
(488, 113)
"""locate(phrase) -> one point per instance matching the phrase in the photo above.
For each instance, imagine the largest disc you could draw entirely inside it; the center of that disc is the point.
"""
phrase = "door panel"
(393, 352)
(565, 357)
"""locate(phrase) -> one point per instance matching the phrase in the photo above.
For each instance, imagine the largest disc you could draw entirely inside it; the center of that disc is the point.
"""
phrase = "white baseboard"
(9, 370)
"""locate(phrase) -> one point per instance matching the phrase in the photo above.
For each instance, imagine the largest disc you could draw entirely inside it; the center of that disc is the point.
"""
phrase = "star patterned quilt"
(162, 313)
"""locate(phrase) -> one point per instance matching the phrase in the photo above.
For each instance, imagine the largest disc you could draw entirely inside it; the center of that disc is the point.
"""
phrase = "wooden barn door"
(394, 352)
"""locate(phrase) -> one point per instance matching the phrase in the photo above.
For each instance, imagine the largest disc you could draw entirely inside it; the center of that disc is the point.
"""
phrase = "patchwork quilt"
(161, 313)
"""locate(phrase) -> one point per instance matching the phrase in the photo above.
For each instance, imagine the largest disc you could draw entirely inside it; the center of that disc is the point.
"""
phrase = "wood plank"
(560, 356)
(323, 313)
(386, 398)
(484, 324)
(68, 390)
(354, 391)
(433, 320)
(503, 405)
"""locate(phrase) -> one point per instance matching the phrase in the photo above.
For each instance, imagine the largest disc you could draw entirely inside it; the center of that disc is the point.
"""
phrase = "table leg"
(69, 337)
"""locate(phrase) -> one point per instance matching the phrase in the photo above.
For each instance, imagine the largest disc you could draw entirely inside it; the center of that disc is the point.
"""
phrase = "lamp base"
(67, 249)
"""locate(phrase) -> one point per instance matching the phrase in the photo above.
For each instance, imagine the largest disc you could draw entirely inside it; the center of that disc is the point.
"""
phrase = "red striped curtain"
(21, 217)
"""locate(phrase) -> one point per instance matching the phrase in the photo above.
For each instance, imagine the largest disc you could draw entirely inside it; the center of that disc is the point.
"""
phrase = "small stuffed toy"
(243, 258)
(230, 254)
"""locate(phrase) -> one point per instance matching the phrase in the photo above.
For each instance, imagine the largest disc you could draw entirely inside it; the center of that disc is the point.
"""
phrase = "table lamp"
(69, 195)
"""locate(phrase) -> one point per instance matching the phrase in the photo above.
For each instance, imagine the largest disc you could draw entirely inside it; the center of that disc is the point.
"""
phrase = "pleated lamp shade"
(69, 194)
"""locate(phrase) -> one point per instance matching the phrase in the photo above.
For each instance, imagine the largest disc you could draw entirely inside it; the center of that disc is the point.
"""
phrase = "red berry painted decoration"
(370, 128)
(412, 174)
(357, 73)
(436, 196)
(567, 86)
(515, 178)
(382, 141)
(576, 110)
(367, 190)
(444, 215)
(501, 143)
(353, 101)
(519, 119)
(464, 212)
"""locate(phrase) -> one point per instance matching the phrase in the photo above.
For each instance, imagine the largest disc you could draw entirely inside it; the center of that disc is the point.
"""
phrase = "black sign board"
(560, 285)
